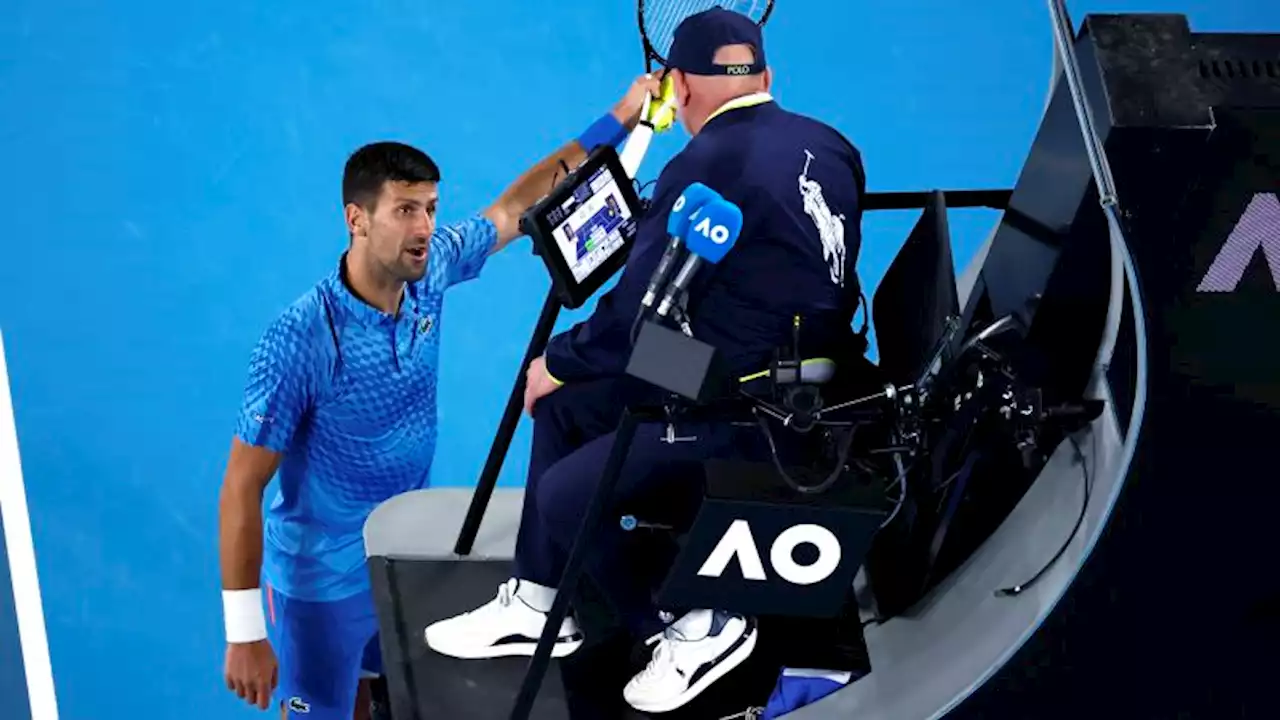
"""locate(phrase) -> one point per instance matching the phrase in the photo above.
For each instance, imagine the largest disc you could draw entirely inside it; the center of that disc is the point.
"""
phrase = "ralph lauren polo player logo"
(425, 324)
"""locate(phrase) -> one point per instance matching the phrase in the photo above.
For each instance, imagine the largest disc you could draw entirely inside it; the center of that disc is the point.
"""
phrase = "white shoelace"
(505, 594)
(664, 654)
(503, 599)
(663, 658)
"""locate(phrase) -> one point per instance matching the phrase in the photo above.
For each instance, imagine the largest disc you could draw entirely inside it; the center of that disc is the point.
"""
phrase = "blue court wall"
(171, 180)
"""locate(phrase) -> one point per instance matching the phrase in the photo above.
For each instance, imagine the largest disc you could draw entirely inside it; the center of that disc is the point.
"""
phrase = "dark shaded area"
(1174, 615)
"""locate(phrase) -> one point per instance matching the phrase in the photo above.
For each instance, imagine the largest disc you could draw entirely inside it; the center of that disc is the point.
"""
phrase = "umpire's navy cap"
(698, 37)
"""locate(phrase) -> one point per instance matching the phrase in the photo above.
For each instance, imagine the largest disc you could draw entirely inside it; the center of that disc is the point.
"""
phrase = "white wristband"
(242, 610)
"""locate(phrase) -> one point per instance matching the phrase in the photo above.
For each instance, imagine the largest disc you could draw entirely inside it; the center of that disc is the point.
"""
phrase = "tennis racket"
(658, 20)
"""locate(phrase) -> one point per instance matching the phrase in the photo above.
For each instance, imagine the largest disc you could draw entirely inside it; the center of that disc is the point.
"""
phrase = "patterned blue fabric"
(348, 394)
(798, 688)
(323, 648)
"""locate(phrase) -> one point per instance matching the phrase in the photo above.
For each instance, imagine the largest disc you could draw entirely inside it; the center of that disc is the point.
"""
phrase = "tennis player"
(799, 184)
(341, 399)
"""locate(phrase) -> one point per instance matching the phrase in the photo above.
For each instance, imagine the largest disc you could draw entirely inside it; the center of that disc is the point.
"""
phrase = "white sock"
(695, 624)
(536, 596)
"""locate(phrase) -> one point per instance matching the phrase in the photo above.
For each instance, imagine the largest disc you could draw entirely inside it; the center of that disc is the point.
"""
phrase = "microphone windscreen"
(712, 234)
(690, 201)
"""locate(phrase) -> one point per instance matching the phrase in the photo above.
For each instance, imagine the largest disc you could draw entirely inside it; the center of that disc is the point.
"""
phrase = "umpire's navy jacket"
(799, 184)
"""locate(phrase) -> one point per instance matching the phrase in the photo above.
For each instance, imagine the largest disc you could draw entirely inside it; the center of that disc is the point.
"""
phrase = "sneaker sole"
(559, 650)
(730, 662)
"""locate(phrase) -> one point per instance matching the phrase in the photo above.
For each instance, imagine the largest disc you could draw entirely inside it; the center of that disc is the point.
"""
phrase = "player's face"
(400, 228)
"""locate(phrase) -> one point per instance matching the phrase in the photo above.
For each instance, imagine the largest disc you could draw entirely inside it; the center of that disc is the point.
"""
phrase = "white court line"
(22, 562)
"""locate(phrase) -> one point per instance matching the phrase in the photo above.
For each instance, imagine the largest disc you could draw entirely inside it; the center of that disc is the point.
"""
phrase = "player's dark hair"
(377, 163)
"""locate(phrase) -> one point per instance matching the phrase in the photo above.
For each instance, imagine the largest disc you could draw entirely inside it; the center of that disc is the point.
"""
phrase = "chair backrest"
(916, 296)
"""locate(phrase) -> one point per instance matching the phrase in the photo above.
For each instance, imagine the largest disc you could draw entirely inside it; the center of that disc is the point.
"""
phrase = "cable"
(635, 326)
(1109, 201)
(677, 314)
(841, 462)
(1066, 59)
(641, 187)
(1015, 590)
(902, 492)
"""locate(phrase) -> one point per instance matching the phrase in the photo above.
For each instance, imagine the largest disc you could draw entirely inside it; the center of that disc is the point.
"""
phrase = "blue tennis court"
(172, 179)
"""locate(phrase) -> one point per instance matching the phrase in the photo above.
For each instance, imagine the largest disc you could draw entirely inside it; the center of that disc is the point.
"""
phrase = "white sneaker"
(505, 626)
(694, 652)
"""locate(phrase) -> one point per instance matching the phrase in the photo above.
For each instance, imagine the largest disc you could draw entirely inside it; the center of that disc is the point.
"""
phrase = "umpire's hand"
(538, 384)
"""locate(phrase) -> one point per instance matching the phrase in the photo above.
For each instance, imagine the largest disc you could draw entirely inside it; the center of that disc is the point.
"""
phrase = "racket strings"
(662, 17)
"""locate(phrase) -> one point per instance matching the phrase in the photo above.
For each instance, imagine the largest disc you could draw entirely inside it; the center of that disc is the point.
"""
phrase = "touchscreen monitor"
(585, 228)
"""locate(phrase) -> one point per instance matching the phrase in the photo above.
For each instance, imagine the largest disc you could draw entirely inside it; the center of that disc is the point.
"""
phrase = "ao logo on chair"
(738, 542)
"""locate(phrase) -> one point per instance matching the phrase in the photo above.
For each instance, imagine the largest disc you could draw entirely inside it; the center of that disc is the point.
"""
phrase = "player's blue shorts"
(324, 649)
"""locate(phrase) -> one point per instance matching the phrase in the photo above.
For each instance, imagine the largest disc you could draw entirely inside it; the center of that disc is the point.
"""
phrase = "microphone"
(709, 238)
(688, 204)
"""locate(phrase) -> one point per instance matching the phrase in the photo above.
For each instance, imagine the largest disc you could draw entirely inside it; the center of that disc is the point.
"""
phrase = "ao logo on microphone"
(712, 234)
(738, 542)
(718, 234)
(700, 191)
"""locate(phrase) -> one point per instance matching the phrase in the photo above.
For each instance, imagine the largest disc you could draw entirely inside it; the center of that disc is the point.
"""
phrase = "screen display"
(592, 224)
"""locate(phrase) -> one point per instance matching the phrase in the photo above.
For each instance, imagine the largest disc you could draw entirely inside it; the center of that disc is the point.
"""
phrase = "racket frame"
(651, 53)
(638, 141)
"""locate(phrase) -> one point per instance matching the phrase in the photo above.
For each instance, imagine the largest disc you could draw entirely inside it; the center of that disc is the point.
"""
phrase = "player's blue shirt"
(348, 394)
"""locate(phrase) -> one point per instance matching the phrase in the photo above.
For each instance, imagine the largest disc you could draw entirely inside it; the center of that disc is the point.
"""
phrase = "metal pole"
(573, 567)
(1064, 38)
(506, 427)
(1122, 268)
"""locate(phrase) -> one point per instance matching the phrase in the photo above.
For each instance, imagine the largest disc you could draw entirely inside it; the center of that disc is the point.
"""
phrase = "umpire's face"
(399, 229)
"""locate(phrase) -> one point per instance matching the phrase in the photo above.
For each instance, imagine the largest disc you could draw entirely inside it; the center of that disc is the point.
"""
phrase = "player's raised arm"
(527, 189)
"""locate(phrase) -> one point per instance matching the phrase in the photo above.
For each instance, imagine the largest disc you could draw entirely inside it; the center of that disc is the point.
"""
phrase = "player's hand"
(538, 384)
(627, 111)
(252, 672)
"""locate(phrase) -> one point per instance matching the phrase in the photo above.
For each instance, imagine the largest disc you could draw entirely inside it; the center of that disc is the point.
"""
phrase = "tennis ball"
(664, 118)
(662, 113)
